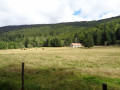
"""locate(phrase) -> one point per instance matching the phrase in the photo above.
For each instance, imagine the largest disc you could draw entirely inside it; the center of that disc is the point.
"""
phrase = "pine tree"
(89, 41)
(26, 42)
(34, 41)
(67, 41)
(97, 37)
(81, 37)
(47, 43)
(106, 39)
(56, 42)
(117, 33)
(113, 38)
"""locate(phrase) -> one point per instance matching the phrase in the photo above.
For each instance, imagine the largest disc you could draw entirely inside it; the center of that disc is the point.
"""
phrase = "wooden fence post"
(22, 76)
(104, 86)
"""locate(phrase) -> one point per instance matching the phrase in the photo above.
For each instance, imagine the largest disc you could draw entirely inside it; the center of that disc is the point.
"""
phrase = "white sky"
(17, 12)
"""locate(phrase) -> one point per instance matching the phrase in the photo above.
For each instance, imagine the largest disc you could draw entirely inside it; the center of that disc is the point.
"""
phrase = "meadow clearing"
(61, 68)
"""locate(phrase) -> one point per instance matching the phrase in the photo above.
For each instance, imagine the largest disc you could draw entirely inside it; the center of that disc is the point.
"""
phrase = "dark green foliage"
(81, 38)
(34, 42)
(67, 41)
(113, 38)
(106, 39)
(97, 37)
(27, 42)
(3, 45)
(89, 41)
(56, 42)
(104, 32)
(118, 33)
(47, 43)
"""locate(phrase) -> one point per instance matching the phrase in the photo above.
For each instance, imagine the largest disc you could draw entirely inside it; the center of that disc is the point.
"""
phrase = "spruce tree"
(56, 42)
(47, 43)
(97, 37)
(117, 33)
(26, 42)
(89, 41)
(106, 39)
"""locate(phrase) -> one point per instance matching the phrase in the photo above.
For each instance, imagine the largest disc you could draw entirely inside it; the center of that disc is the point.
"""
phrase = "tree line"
(102, 32)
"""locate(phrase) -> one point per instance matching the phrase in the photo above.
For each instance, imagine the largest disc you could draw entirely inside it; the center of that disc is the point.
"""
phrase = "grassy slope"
(61, 68)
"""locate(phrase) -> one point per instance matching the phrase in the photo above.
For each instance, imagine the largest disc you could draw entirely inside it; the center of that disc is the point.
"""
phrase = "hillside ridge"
(89, 33)
(80, 23)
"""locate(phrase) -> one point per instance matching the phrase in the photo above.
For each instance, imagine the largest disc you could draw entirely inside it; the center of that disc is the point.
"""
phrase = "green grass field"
(61, 68)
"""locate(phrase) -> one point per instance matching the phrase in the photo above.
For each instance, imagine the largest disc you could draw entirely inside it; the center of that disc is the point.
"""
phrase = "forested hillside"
(102, 32)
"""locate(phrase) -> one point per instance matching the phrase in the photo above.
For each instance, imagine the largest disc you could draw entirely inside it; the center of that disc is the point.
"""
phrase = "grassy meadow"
(61, 68)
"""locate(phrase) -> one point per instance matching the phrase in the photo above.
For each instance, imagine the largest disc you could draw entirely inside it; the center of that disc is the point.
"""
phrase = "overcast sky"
(17, 12)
